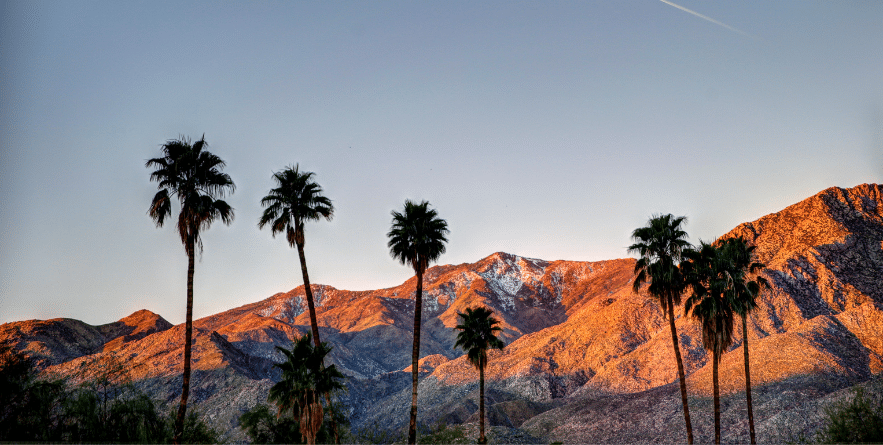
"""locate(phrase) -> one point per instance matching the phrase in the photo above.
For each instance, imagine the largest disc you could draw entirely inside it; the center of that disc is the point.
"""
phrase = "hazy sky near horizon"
(547, 129)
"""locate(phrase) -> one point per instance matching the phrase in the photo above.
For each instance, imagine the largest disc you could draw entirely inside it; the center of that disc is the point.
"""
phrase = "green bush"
(262, 426)
(859, 420)
(195, 430)
(441, 433)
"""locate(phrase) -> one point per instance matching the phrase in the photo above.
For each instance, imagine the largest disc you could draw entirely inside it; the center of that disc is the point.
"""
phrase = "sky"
(547, 129)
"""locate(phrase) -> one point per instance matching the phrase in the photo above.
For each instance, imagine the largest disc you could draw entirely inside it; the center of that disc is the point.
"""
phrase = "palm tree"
(295, 200)
(660, 246)
(476, 337)
(742, 294)
(193, 174)
(304, 378)
(417, 238)
(708, 270)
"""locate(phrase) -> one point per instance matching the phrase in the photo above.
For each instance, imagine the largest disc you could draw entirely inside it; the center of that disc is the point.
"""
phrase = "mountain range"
(586, 358)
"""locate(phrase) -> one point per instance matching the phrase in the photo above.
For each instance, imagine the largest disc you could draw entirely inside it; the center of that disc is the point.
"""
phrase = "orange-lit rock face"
(571, 329)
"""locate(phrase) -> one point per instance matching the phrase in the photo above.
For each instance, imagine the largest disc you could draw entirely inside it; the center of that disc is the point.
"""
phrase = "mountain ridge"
(577, 335)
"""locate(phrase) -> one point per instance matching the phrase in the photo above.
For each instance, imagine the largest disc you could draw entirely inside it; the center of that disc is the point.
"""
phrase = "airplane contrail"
(709, 19)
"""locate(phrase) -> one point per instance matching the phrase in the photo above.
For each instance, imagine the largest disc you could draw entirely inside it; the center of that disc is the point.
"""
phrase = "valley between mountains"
(586, 359)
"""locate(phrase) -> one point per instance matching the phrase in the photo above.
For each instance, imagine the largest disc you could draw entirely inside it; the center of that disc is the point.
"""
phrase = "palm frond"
(295, 199)
(417, 235)
(478, 334)
(660, 246)
(194, 175)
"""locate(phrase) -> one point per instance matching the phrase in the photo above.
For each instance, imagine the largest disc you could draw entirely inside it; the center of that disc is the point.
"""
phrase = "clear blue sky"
(545, 129)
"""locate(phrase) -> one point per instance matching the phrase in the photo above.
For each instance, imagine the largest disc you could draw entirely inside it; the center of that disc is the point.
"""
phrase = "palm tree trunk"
(188, 337)
(314, 323)
(415, 357)
(748, 381)
(717, 400)
(481, 438)
(681, 376)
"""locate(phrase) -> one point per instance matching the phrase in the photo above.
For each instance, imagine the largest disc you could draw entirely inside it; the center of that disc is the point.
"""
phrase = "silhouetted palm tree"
(194, 175)
(295, 200)
(660, 246)
(708, 270)
(477, 335)
(304, 379)
(417, 238)
(742, 293)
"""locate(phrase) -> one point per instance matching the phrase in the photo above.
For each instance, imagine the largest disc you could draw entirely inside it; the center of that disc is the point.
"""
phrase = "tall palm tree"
(477, 335)
(660, 246)
(742, 294)
(295, 200)
(304, 379)
(193, 174)
(417, 238)
(708, 270)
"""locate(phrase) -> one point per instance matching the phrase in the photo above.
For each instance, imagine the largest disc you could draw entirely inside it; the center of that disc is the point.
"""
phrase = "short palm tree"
(295, 200)
(708, 270)
(417, 238)
(660, 246)
(742, 294)
(477, 335)
(304, 379)
(192, 174)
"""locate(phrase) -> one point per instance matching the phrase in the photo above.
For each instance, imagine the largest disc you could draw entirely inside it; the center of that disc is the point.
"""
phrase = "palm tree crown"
(297, 198)
(708, 272)
(194, 175)
(417, 237)
(743, 290)
(660, 246)
(477, 335)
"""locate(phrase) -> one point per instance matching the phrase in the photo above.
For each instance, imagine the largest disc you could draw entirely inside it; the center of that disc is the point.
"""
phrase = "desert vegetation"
(98, 404)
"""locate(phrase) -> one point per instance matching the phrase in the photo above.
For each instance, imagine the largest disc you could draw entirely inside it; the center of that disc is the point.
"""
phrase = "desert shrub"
(263, 425)
(441, 433)
(195, 430)
(858, 420)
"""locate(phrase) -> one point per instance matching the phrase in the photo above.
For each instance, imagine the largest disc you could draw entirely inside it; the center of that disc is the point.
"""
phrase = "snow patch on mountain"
(509, 274)
(442, 295)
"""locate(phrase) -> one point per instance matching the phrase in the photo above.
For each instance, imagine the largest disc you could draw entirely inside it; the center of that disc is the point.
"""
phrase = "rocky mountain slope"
(586, 360)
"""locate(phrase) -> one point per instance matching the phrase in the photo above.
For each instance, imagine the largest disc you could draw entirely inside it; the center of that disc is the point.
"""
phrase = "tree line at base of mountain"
(98, 405)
